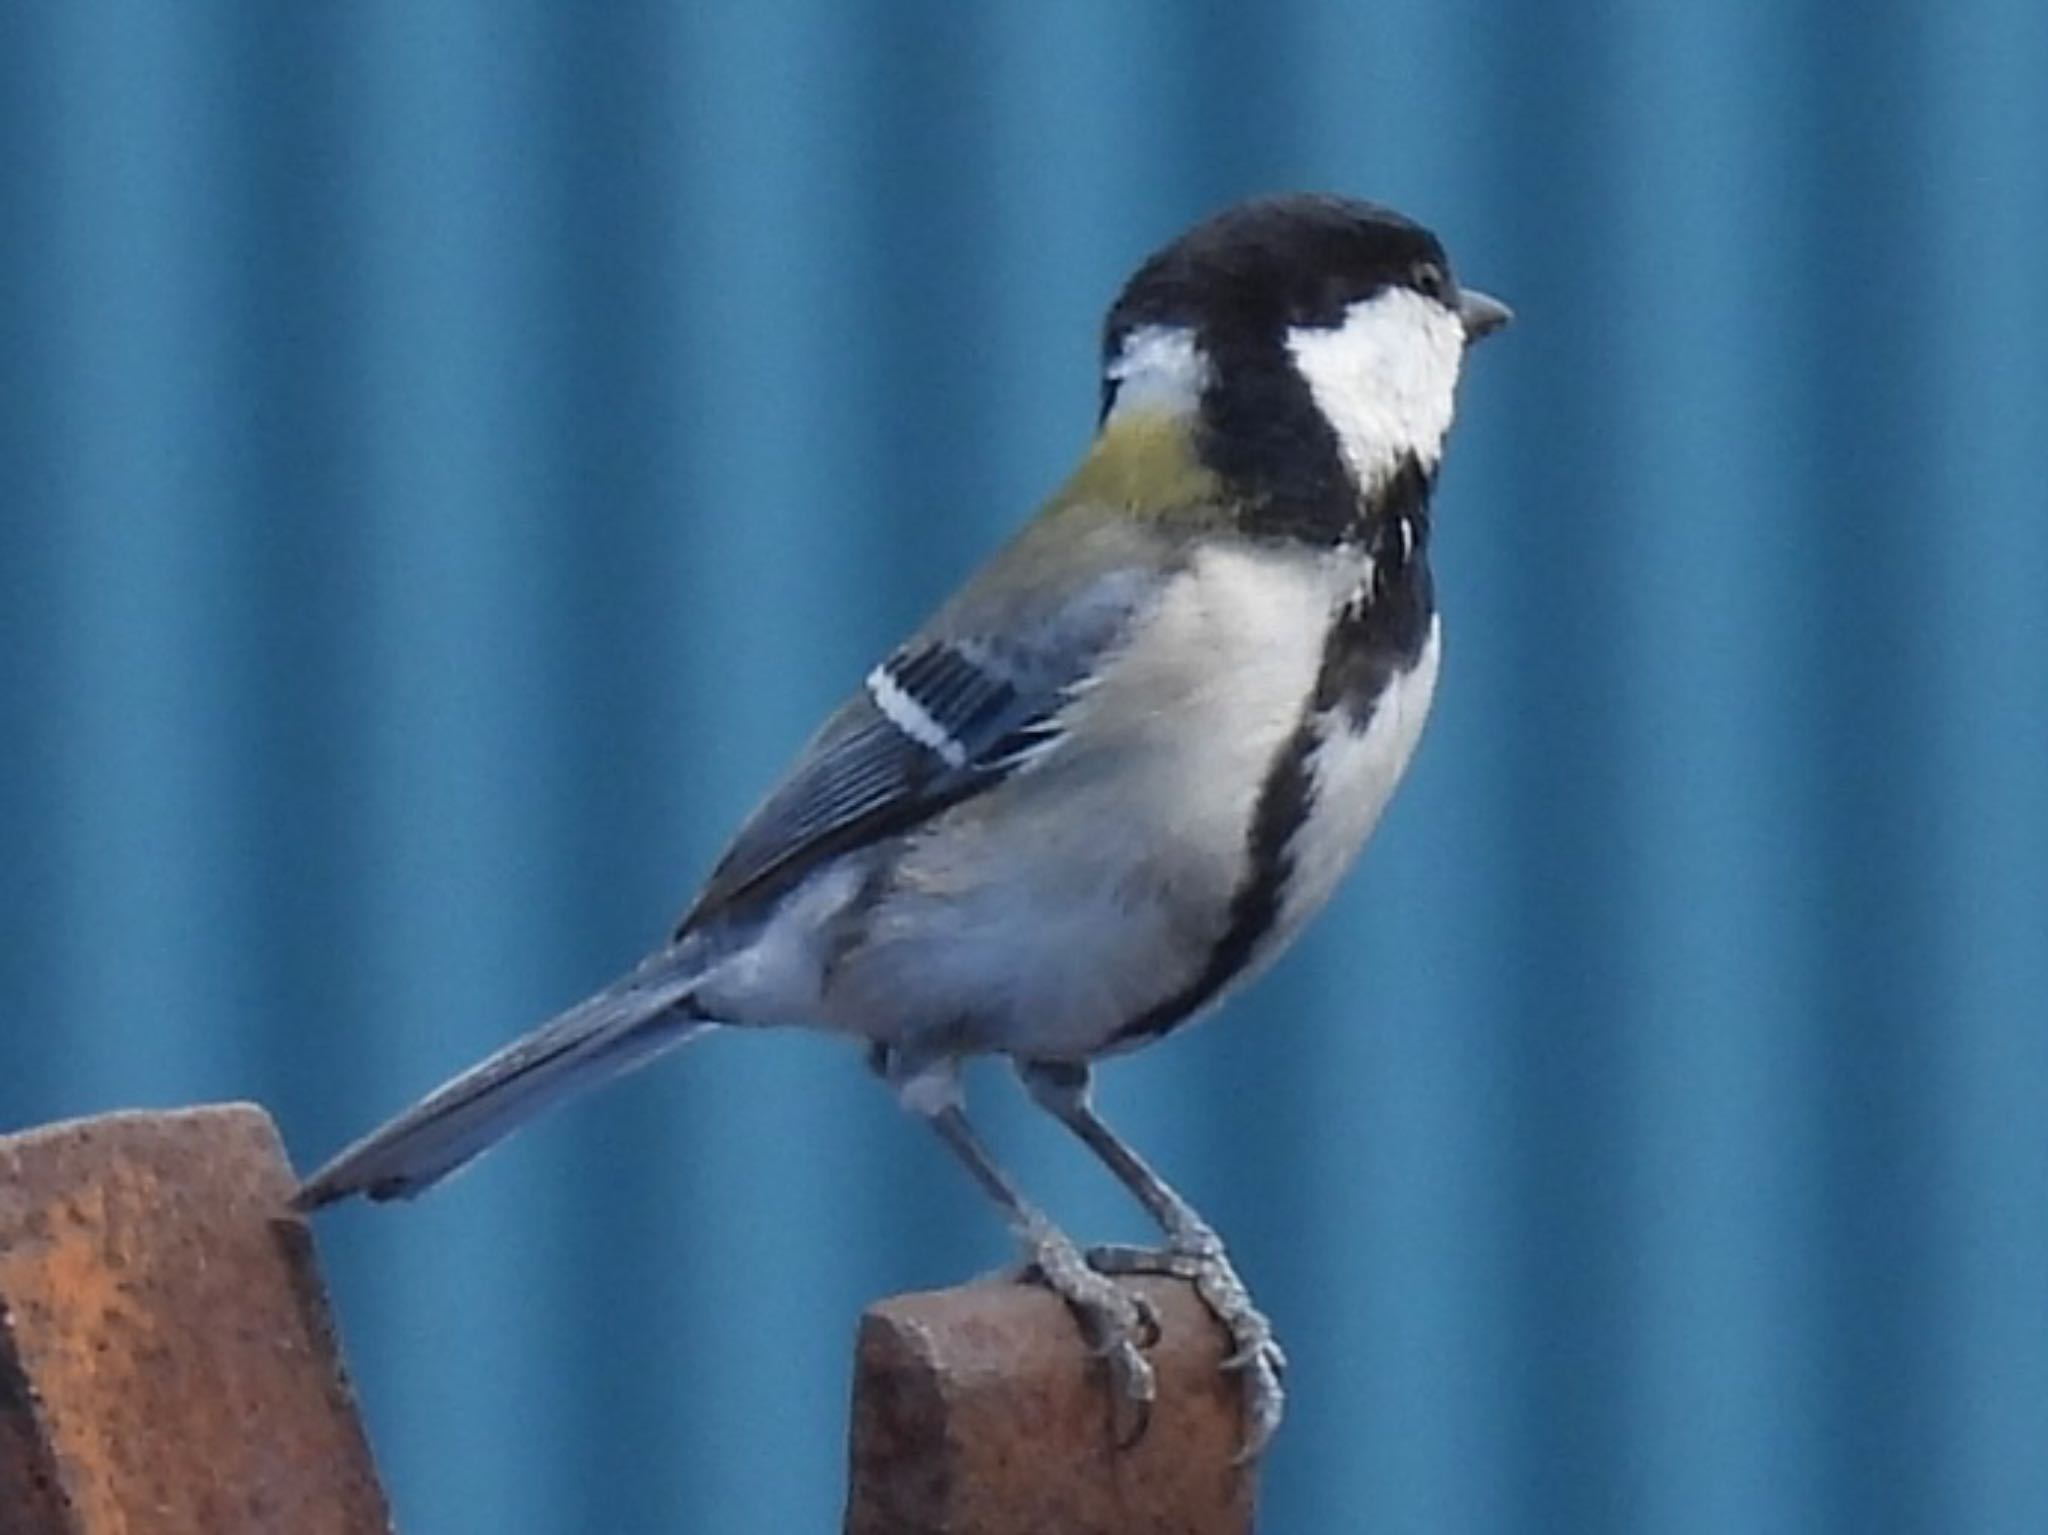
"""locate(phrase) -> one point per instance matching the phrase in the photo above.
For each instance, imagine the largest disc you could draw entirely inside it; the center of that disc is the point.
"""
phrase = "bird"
(1110, 779)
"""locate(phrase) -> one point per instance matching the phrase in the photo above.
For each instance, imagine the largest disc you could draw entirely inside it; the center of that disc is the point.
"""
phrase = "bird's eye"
(1430, 279)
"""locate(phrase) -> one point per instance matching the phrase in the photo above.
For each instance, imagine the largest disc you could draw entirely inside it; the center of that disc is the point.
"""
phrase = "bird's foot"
(1119, 1325)
(1197, 1256)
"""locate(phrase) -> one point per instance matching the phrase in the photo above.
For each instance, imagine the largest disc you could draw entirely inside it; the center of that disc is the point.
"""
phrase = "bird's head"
(1311, 343)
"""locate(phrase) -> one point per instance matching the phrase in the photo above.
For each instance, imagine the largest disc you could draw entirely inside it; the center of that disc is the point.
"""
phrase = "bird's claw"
(1149, 1326)
(1254, 1351)
(1198, 1257)
(1262, 1365)
(1118, 1324)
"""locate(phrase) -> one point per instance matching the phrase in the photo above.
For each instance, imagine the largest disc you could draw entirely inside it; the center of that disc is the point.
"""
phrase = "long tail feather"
(602, 1037)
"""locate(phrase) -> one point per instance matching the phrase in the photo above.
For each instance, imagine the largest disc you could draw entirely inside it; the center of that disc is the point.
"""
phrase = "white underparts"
(1159, 368)
(1068, 900)
(1385, 377)
(912, 718)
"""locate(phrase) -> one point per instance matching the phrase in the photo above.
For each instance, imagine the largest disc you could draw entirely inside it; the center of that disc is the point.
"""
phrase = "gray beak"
(1482, 314)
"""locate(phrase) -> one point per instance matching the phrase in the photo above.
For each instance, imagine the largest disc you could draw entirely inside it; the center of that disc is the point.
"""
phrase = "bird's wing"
(972, 699)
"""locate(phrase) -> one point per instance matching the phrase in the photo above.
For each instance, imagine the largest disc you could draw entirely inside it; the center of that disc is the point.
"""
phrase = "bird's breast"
(1185, 723)
(1204, 799)
(1357, 759)
(1045, 915)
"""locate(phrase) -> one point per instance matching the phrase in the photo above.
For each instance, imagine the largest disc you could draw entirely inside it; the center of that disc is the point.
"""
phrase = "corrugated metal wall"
(452, 453)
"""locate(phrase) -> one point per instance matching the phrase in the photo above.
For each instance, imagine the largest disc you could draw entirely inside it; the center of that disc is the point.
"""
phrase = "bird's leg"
(1117, 1323)
(1193, 1250)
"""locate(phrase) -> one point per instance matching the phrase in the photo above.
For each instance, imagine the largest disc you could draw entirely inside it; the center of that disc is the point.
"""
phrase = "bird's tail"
(625, 1025)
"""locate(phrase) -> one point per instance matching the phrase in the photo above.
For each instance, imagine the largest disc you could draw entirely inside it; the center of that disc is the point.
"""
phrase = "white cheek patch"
(1385, 378)
(1159, 368)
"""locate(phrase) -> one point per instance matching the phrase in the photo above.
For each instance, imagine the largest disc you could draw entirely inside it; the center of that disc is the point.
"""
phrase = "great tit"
(1114, 775)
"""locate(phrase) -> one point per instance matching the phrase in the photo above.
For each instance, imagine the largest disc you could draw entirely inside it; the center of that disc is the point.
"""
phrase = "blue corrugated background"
(450, 454)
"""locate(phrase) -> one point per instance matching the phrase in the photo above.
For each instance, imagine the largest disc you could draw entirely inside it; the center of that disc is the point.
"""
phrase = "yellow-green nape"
(1143, 463)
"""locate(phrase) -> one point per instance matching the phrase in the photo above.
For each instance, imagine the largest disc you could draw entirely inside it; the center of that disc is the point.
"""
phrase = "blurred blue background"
(450, 455)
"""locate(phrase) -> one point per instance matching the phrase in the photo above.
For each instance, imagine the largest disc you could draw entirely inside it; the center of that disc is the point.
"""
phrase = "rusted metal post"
(977, 1411)
(167, 1361)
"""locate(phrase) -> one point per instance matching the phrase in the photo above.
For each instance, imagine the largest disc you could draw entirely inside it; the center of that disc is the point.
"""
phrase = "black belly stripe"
(1284, 804)
(1379, 635)
(1381, 631)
